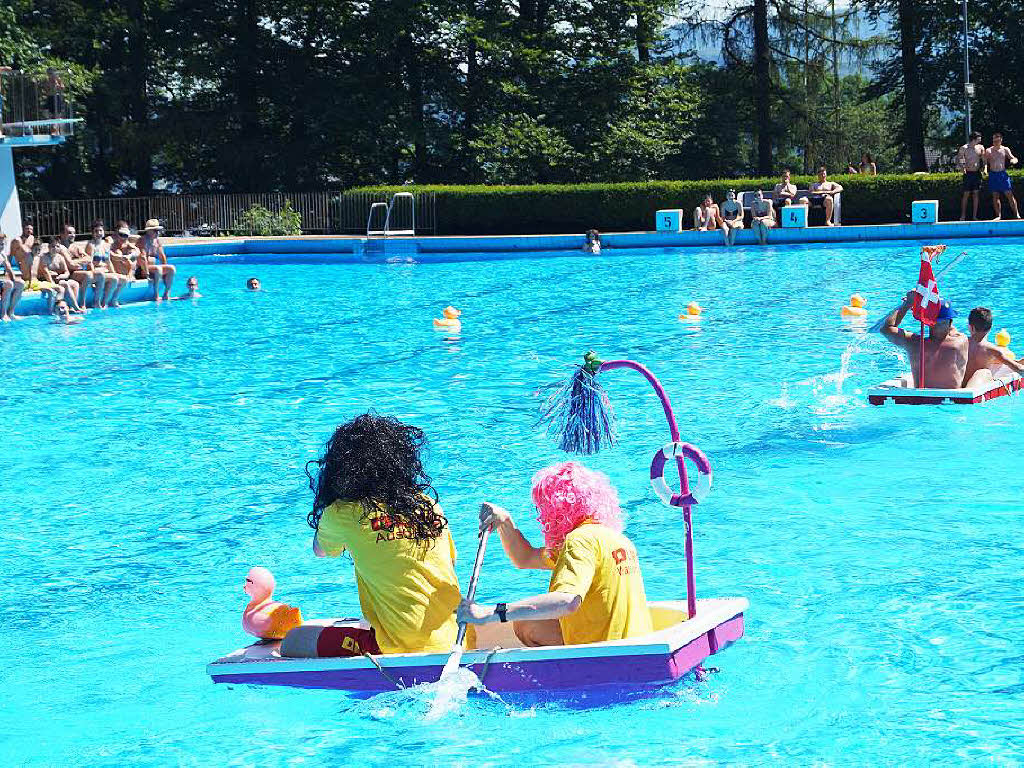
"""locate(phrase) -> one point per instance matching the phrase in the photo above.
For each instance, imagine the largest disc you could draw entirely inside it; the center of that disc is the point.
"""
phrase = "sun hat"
(946, 312)
(124, 232)
(152, 224)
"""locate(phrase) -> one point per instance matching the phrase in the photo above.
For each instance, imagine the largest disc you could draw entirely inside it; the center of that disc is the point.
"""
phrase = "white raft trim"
(711, 613)
(901, 391)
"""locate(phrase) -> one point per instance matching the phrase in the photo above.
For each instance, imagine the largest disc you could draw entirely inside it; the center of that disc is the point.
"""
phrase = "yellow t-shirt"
(602, 567)
(407, 591)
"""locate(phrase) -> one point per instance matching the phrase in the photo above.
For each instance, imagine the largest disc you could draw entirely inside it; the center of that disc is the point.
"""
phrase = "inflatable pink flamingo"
(263, 616)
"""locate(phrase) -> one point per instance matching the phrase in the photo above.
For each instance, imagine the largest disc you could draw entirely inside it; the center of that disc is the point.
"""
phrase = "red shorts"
(346, 640)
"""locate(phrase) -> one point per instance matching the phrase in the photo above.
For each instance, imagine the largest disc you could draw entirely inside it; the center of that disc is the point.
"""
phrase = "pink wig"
(567, 494)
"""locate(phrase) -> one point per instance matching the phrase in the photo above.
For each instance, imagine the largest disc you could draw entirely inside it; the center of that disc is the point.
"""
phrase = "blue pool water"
(154, 453)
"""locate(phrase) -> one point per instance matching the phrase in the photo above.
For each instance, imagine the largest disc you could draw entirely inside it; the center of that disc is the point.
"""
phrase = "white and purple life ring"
(698, 491)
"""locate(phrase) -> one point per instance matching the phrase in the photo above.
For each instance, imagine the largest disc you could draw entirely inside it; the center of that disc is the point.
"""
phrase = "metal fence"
(320, 212)
(32, 105)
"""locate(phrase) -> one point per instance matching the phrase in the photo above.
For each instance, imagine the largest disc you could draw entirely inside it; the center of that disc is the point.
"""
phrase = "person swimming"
(374, 500)
(596, 592)
(253, 284)
(191, 289)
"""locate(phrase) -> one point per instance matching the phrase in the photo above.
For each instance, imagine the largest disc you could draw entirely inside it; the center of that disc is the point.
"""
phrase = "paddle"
(878, 326)
(460, 639)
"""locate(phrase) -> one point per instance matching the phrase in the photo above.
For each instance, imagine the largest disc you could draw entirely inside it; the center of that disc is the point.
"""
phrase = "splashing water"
(783, 400)
(451, 692)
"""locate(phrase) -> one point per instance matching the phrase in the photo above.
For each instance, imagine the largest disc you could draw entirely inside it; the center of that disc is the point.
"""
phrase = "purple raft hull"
(657, 659)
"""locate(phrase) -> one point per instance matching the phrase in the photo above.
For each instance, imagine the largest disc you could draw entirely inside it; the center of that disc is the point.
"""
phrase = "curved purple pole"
(673, 428)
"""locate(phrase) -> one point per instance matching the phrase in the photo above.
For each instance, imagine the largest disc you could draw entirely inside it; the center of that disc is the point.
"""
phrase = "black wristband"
(502, 610)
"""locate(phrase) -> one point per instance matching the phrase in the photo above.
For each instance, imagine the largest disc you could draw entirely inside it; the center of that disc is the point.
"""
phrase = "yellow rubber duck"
(1003, 341)
(450, 321)
(693, 312)
(855, 307)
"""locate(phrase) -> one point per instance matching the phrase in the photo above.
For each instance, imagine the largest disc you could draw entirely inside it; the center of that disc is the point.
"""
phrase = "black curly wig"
(375, 460)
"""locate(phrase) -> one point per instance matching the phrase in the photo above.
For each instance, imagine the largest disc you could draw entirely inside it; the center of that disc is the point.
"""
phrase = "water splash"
(783, 400)
(451, 692)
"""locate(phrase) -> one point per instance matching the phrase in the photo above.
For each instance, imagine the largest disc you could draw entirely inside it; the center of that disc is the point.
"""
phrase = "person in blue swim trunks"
(998, 157)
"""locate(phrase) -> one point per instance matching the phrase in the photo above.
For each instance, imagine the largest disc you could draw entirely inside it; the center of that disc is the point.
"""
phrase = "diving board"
(35, 113)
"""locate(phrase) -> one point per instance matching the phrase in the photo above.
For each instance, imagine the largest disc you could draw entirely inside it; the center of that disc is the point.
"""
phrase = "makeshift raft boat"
(902, 391)
(676, 647)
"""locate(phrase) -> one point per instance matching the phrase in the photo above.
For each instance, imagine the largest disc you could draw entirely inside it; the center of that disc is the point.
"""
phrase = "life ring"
(704, 474)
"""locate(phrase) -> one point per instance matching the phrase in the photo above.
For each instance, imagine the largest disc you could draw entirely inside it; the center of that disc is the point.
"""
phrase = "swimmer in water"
(253, 284)
(64, 314)
(192, 289)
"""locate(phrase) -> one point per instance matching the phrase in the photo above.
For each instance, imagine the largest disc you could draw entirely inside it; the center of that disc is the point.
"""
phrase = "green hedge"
(565, 208)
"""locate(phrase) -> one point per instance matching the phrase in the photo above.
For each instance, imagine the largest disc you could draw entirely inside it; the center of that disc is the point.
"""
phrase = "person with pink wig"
(596, 591)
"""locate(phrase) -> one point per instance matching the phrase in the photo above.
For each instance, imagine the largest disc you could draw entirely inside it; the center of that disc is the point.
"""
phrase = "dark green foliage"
(293, 95)
(262, 222)
(557, 208)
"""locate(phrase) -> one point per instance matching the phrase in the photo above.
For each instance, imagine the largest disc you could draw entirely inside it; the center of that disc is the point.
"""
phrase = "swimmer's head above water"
(568, 494)
(252, 284)
(374, 461)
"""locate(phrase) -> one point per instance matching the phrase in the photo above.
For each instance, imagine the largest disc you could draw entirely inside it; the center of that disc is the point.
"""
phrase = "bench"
(746, 199)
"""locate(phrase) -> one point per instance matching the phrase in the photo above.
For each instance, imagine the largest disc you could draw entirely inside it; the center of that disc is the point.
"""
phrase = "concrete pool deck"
(438, 246)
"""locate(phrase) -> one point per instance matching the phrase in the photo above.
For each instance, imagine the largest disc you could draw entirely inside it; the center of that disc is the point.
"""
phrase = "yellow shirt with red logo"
(408, 591)
(602, 567)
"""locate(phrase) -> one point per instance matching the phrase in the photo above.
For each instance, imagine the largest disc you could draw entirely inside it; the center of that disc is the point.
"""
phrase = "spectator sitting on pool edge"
(945, 349)
(706, 215)
(731, 213)
(823, 193)
(596, 592)
(785, 190)
(983, 357)
(252, 284)
(762, 216)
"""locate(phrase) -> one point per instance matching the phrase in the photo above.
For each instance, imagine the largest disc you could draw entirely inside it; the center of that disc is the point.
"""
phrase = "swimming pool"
(153, 453)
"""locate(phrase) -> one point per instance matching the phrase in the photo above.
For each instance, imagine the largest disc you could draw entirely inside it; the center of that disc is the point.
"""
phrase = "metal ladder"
(389, 207)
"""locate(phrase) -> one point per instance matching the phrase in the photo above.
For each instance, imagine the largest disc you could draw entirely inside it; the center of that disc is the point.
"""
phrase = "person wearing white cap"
(154, 260)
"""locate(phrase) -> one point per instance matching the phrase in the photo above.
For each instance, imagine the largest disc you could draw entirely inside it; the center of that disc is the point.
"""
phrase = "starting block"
(924, 211)
(793, 216)
(669, 220)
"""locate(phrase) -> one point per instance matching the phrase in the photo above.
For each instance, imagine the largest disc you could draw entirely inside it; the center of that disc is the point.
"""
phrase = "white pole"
(10, 205)
(968, 90)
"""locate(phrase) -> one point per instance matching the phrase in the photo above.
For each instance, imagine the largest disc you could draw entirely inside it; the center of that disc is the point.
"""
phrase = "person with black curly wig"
(374, 500)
